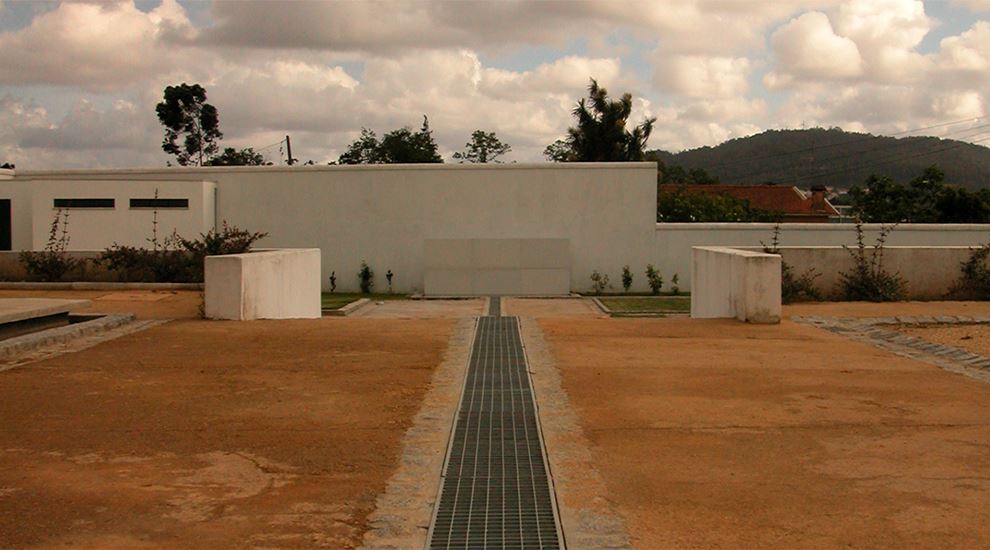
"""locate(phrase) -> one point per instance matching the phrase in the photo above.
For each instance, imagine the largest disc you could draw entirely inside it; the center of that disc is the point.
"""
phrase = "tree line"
(192, 136)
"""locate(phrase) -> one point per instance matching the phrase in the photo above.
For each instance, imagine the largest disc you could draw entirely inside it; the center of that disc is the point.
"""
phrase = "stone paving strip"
(33, 347)
(588, 519)
(881, 332)
(403, 512)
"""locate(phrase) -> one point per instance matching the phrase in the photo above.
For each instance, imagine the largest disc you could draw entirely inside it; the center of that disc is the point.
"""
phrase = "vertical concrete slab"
(740, 284)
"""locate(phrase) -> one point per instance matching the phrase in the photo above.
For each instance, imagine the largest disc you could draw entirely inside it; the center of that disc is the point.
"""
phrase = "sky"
(79, 81)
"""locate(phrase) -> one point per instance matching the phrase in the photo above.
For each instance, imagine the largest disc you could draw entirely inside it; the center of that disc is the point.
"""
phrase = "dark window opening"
(85, 203)
(159, 203)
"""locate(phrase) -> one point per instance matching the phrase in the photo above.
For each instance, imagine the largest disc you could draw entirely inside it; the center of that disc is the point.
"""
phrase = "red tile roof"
(773, 198)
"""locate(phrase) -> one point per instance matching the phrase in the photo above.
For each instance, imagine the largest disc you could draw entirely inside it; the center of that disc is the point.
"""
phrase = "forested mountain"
(834, 158)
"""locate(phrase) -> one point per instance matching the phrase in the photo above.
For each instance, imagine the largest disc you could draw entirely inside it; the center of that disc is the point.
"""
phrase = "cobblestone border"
(588, 519)
(402, 514)
(876, 332)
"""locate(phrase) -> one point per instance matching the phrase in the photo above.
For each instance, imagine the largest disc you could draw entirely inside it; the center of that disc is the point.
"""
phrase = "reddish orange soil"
(712, 433)
(872, 309)
(200, 434)
(974, 338)
(144, 304)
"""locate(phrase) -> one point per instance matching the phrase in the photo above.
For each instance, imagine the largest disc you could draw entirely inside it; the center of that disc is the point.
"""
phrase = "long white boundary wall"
(674, 241)
(929, 273)
(276, 284)
(732, 283)
(383, 214)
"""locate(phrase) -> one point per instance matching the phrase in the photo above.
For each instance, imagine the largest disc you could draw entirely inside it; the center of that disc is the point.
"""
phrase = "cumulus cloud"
(92, 45)
(808, 48)
(702, 76)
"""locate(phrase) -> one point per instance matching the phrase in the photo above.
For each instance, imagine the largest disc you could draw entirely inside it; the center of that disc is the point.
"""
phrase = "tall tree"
(235, 157)
(187, 116)
(402, 146)
(483, 147)
(925, 199)
(600, 134)
(559, 151)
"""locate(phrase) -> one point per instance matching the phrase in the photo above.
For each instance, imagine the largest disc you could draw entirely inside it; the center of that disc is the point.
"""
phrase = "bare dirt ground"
(552, 307)
(199, 434)
(713, 433)
(422, 309)
(871, 309)
(974, 338)
(144, 304)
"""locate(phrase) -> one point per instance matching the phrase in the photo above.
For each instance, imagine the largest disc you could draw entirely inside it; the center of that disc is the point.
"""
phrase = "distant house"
(791, 202)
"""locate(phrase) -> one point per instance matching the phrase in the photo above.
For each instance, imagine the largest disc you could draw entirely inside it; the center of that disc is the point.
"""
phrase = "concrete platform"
(13, 310)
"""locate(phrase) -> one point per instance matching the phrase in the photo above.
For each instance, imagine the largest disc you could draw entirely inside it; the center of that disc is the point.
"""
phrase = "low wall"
(929, 272)
(278, 284)
(674, 241)
(732, 283)
(480, 267)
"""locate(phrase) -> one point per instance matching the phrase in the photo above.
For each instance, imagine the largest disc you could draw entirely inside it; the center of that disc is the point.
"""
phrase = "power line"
(884, 146)
(850, 142)
(889, 160)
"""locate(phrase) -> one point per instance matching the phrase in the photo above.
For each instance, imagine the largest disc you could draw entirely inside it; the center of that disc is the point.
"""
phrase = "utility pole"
(288, 149)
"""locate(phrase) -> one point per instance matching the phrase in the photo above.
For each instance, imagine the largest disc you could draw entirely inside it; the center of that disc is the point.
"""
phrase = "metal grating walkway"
(495, 491)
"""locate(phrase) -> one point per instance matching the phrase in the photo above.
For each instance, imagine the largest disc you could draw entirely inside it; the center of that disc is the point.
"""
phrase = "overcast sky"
(79, 81)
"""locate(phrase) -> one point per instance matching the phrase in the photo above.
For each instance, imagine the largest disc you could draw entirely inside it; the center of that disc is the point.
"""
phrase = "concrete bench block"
(732, 283)
(276, 284)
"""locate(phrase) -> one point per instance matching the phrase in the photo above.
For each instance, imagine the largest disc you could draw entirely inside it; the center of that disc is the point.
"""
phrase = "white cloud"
(94, 46)
(807, 48)
(702, 76)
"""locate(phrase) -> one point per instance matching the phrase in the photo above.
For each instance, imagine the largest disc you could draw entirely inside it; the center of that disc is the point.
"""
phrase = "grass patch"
(338, 300)
(647, 304)
(681, 294)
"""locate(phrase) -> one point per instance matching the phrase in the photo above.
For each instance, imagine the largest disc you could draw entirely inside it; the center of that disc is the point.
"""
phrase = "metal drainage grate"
(495, 306)
(496, 490)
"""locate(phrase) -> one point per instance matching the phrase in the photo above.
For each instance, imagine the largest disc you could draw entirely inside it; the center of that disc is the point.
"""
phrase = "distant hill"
(834, 158)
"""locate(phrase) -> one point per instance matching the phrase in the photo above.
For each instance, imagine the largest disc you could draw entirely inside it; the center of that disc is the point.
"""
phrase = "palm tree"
(601, 135)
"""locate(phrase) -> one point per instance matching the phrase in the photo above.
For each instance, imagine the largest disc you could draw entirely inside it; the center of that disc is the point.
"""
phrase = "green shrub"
(53, 262)
(868, 280)
(674, 289)
(627, 278)
(975, 280)
(599, 282)
(366, 278)
(793, 288)
(654, 279)
(174, 259)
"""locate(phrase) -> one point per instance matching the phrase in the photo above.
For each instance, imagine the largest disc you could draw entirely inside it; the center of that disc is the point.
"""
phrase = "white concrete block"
(277, 284)
(731, 283)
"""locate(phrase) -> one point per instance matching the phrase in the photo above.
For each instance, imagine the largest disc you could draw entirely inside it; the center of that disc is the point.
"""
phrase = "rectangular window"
(159, 203)
(84, 203)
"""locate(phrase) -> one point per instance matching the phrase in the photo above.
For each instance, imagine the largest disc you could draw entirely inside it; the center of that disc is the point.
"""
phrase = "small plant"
(53, 262)
(599, 282)
(654, 279)
(333, 281)
(793, 288)
(975, 280)
(388, 277)
(868, 280)
(674, 289)
(627, 278)
(366, 277)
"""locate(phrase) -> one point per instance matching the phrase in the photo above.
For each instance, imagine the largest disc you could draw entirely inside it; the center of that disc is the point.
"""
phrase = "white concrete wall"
(674, 241)
(731, 283)
(277, 284)
(929, 272)
(98, 228)
(6, 174)
(385, 213)
(479, 267)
